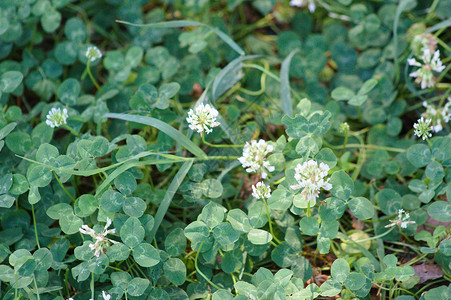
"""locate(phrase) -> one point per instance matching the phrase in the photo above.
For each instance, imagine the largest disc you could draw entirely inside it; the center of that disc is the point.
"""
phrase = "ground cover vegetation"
(239, 149)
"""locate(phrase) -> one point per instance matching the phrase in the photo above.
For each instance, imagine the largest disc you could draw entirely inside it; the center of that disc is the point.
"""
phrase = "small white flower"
(311, 177)
(93, 53)
(344, 127)
(56, 117)
(202, 118)
(438, 115)
(401, 220)
(424, 41)
(424, 74)
(102, 243)
(254, 157)
(261, 191)
(423, 128)
(105, 296)
(300, 3)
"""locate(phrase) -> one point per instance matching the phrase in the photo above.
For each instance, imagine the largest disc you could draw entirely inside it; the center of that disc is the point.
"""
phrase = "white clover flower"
(424, 41)
(102, 243)
(437, 115)
(423, 128)
(254, 157)
(202, 118)
(105, 296)
(424, 74)
(401, 220)
(300, 3)
(56, 117)
(261, 191)
(344, 127)
(311, 177)
(93, 53)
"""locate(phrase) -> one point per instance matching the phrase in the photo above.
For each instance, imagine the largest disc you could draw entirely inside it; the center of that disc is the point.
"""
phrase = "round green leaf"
(69, 91)
(440, 210)
(212, 188)
(361, 208)
(389, 201)
(146, 255)
(111, 201)
(70, 224)
(419, 155)
(259, 237)
(18, 142)
(175, 242)
(39, 176)
(175, 271)
(340, 270)
(212, 214)
(132, 233)
(137, 286)
(125, 183)
(309, 225)
(10, 80)
(134, 206)
(342, 185)
(225, 235)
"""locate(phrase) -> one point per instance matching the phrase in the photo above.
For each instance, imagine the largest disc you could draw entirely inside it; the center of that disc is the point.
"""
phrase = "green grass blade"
(232, 66)
(132, 164)
(285, 93)
(184, 23)
(164, 127)
(172, 189)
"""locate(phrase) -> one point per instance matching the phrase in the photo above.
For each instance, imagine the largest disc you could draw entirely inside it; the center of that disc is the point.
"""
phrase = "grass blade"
(285, 93)
(234, 65)
(172, 189)
(184, 23)
(166, 128)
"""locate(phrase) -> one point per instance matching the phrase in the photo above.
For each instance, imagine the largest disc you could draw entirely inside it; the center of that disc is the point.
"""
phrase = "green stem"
(71, 130)
(269, 222)
(63, 187)
(376, 236)
(369, 146)
(200, 272)
(88, 69)
(92, 285)
(36, 287)
(221, 145)
(35, 226)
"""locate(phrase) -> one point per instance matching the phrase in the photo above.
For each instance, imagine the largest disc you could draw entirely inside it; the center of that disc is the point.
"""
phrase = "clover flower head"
(102, 243)
(202, 118)
(401, 220)
(105, 296)
(56, 117)
(344, 127)
(422, 42)
(300, 3)
(425, 72)
(423, 128)
(311, 177)
(437, 115)
(261, 191)
(254, 157)
(93, 53)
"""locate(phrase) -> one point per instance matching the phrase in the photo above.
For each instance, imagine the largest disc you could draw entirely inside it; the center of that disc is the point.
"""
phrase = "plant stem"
(92, 285)
(63, 187)
(376, 236)
(36, 287)
(35, 226)
(200, 272)
(88, 69)
(269, 222)
(221, 145)
(71, 130)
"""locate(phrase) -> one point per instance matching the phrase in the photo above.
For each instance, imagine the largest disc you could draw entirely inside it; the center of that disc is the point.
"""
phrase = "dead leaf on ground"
(428, 272)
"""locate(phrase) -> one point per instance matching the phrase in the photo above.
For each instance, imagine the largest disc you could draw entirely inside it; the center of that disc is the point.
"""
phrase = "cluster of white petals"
(437, 115)
(311, 177)
(102, 243)
(56, 117)
(261, 191)
(401, 220)
(93, 53)
(425, 72)
(422, 42)
(202, 118)
(105, 296)
(423, 128)
(254, 157)
(300, 3)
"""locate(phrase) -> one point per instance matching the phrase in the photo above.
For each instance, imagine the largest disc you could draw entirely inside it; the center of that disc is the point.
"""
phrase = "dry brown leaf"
(428, 272)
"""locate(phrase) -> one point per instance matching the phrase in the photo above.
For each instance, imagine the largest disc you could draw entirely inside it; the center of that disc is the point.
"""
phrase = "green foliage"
(107, 189)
